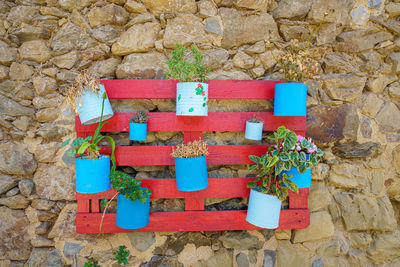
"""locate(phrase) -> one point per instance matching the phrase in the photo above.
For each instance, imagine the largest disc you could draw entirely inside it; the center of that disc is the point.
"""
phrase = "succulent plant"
(254, 119)
(140, 117)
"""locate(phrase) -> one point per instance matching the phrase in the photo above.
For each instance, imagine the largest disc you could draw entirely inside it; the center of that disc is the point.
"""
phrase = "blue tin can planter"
(290, 99)
(302, 180)
(132, 214)
(264, 210)
(192, 99)
(137, 131)
(89, 107)
(254, 130)
(191, 173)
(92, 174)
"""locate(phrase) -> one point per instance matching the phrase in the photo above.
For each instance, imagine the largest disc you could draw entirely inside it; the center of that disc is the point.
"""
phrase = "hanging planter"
(138, 126)
(297, 65)
(290, 99)
(85, 96)
(191, 166)
(263, 210)
(133, 201)
(92, 168)
(306, 155)
(254, 129)
(191, 99)
(191, 90)
(92, 174)
(271, 186)
(89, 108)
(132, 214)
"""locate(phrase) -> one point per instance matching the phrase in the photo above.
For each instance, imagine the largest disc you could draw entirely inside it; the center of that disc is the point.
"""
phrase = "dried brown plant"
(83, 82)
(296, 61)
(193, 149)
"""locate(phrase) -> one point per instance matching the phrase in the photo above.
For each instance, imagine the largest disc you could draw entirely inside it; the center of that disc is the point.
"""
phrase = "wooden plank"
(299, 201)
(160, 155)
(83, 205)
(191, 136)
(95, 205)
(194, 204)
(190, 221)
(215, 121)
(166, 188)
(165, 89)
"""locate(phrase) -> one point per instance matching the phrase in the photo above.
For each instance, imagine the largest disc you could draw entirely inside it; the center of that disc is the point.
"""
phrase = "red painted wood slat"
(165, 89)
(83, 204)
(160, 155)
(299, 201)
(215, 121)
(95, 205)
(166, 188)
(190, 221)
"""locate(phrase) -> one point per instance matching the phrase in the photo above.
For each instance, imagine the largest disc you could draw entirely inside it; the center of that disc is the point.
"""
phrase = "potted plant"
(92, 168)
(138, 126)
(191, 90)
(297, 65)
(133, 201)
(271, 185)
(254, 128)
(305, 155)
(85, 97)
(191, 166)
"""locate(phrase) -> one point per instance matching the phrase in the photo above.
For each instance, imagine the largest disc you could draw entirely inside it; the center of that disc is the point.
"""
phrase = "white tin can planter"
(264, 210)
(89, 108)
(254, 130)
(192, 99)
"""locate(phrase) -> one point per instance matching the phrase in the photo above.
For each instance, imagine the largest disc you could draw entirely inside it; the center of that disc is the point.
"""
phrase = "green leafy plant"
(140, 117)
(254, 119)
(89, 146)
(184, 70)
(90, 263)
(269, 168)
(121, 255)
(129, 187)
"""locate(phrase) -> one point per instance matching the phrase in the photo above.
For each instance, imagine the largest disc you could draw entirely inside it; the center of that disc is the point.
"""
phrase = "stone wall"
(353, 114)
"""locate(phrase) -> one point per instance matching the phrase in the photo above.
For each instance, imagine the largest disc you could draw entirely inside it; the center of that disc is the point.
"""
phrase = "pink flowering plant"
(305, 155)
(290, 150)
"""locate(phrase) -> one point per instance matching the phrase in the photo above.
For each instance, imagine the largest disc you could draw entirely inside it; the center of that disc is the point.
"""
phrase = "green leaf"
(112, 143)
(290, 141)
(291, 185)
(179, 97)
(279, 168)
(302, 169)
(66, 142)
(251, 185)
(205, 98)
(252, 167)
(103, 202)
(83, 148)
(204, 104)
(254, 158)
(272, 161)
(284, 156)
(191, 109)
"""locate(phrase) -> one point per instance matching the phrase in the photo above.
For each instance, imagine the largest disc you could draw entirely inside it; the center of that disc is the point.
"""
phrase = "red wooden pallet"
(194, 218)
